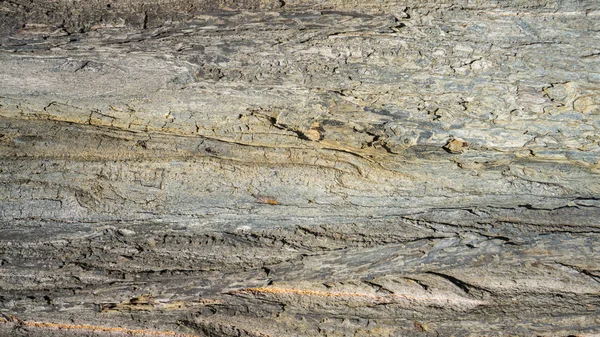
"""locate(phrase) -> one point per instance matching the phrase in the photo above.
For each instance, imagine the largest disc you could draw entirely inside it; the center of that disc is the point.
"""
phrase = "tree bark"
(299, 168)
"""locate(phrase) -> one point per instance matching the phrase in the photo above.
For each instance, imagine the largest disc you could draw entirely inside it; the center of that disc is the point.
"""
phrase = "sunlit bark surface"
(299, 168)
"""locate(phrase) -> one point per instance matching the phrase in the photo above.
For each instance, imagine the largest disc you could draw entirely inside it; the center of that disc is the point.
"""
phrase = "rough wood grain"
(299, 168)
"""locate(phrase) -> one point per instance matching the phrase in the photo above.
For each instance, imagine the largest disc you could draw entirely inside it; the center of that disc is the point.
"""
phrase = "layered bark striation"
(299, 168)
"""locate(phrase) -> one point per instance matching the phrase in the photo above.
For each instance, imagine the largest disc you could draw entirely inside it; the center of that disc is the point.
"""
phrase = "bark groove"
(299, 168)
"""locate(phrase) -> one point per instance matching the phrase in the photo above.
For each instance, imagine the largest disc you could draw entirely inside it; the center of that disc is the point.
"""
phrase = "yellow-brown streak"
(96, 328)
(385, 298)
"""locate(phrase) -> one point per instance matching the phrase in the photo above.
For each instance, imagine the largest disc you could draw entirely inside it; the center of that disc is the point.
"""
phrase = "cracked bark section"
(299, 168)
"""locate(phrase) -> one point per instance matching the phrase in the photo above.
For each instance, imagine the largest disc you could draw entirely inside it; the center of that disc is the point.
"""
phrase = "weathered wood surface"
(299, 168)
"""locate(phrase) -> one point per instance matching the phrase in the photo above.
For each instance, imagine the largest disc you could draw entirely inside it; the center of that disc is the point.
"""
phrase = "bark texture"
(299, 168)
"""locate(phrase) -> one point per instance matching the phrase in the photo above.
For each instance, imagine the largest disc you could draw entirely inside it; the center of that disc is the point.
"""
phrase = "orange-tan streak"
(97, 328)
(306, 292)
